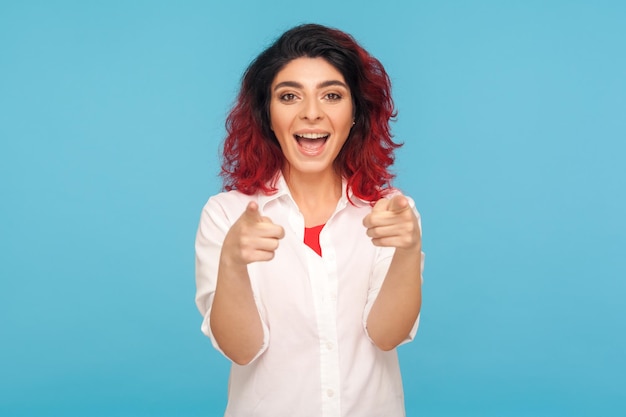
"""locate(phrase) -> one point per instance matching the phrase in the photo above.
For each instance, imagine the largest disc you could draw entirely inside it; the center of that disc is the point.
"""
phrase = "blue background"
(513, 116)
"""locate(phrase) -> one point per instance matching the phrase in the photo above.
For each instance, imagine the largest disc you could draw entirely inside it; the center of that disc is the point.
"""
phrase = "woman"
(308, 267)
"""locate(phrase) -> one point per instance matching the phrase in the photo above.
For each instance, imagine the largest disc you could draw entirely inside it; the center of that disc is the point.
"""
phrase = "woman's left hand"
(393, 223)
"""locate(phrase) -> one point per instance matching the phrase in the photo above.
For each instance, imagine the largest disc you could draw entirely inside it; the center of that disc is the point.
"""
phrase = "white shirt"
(317, 359)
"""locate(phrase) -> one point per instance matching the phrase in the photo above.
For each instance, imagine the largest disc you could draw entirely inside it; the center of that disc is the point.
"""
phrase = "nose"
(311, 109)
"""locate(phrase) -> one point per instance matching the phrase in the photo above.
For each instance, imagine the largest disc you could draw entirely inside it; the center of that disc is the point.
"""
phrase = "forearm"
(399, 300)
(235, 320)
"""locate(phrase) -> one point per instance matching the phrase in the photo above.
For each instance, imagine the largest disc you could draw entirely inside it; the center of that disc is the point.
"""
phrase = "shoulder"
(230, 198)
(227, 205)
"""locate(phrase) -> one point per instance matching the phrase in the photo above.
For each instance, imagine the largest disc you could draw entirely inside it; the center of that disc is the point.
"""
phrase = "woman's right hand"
(235, 320)
(252, 238)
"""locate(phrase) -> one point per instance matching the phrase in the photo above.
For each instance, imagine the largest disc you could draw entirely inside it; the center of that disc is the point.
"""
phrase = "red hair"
(252, 156)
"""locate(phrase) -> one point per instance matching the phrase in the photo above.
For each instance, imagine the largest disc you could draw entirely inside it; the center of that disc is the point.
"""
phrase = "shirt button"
(329, 345)
(330, 392)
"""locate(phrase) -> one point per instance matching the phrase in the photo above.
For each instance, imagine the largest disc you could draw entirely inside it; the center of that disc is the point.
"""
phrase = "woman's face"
(311, 114)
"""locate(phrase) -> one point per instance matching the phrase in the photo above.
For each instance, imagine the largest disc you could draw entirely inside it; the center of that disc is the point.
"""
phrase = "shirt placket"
(322, 273)
(329, 340)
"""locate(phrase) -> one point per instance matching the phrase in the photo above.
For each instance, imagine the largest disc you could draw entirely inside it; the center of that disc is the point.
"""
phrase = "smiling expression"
(311, 114)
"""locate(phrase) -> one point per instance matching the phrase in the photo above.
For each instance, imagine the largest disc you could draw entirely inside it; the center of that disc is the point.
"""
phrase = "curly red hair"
(252, 156)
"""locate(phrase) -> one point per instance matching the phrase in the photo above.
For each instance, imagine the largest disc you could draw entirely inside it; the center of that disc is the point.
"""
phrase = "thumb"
(252, 212)
(398, 204)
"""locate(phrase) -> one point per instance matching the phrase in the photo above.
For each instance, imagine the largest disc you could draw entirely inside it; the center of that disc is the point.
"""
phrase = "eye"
(333, 97)
(287, 97)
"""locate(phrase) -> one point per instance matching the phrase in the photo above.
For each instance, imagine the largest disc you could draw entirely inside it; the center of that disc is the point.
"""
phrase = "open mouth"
(311, 142)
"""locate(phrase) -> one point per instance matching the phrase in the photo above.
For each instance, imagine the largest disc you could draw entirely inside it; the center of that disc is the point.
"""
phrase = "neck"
(315, 194)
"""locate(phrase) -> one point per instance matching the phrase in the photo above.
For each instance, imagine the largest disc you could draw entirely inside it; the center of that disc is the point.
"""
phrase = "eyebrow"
(323, 84)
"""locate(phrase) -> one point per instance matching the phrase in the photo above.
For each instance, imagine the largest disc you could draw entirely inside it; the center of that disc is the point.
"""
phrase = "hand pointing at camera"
(393, 223)
(252, 238)
(234, 318)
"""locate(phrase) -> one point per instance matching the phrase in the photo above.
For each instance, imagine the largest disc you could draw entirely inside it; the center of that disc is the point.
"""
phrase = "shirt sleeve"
(214, 224)
(381, 265)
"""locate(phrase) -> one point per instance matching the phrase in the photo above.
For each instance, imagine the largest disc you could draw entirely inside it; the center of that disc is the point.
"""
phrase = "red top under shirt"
(312, 238)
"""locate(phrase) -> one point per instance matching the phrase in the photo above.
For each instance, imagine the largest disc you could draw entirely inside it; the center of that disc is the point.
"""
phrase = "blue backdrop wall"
(513, 116)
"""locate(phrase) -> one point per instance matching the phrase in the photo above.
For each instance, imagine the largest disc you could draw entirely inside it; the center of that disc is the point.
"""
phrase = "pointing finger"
(270, 229)
(398, 204)
(252, 212)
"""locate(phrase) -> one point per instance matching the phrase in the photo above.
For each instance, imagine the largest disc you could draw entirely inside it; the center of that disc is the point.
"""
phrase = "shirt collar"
(359, 202)
(282, 190)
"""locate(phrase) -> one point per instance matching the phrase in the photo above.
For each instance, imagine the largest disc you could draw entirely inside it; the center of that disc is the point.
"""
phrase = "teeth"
(313, 135)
